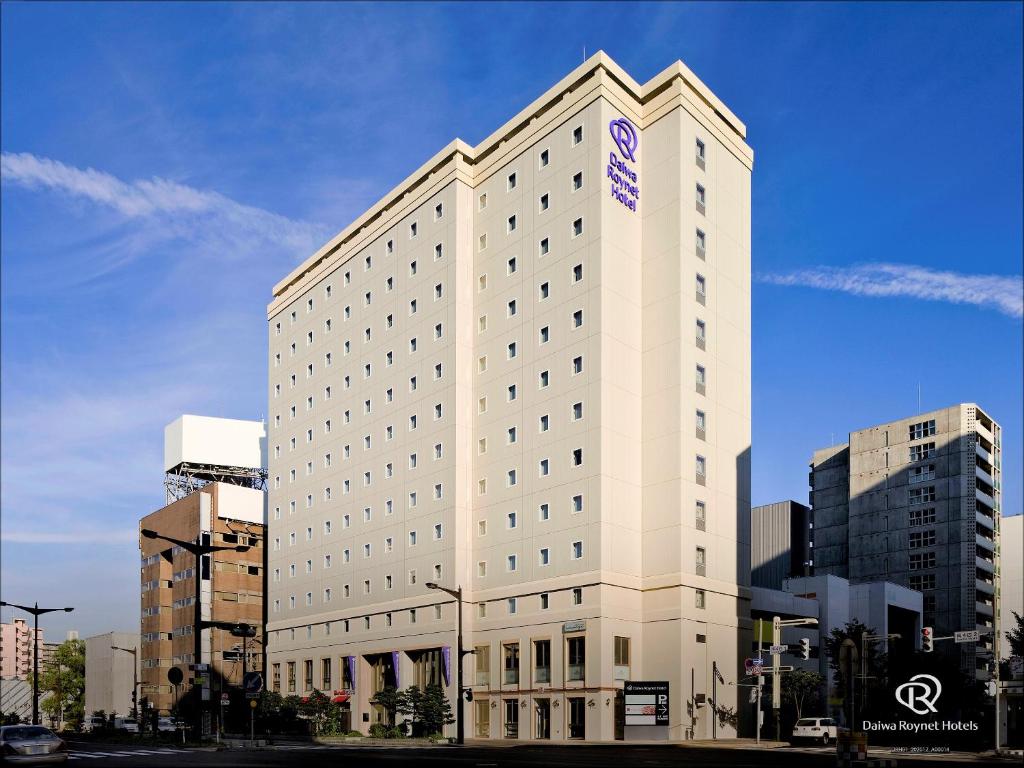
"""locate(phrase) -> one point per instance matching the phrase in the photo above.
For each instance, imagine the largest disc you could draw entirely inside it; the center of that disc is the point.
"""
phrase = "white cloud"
(247, 226)
(1004, 293)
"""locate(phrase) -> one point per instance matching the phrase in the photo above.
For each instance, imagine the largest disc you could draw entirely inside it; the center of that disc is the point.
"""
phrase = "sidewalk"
(715, 743)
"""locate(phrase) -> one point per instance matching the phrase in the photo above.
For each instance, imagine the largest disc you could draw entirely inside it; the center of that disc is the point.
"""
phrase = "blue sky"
(164, 165)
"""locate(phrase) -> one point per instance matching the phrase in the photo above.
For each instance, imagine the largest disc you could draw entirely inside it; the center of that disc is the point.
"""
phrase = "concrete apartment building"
(214, 483)
(780, 543)
(110, 674)
(917, 502)
(525, 372)
(17, 648)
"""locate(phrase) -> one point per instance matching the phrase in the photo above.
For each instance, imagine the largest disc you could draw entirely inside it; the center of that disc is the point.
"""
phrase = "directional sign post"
(968, 636)
(252, 683)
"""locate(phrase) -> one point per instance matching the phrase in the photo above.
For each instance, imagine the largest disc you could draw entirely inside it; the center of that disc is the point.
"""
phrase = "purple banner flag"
(350, 662)
(446, 663)
(394, 663)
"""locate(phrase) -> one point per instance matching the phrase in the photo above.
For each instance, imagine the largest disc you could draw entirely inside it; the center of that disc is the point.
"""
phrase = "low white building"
(110, 674)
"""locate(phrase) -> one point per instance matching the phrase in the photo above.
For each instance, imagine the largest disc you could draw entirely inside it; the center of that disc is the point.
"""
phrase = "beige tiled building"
(525, 371)
(17, 644)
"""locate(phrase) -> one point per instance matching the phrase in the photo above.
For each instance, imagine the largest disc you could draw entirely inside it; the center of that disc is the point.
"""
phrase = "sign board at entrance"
(646, 703)
(574, 626)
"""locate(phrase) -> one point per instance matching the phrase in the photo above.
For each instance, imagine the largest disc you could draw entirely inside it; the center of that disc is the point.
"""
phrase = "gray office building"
(780, 543)
(916, 502)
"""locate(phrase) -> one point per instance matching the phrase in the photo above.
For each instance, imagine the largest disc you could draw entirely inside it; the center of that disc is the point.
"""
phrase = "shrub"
(379, 731)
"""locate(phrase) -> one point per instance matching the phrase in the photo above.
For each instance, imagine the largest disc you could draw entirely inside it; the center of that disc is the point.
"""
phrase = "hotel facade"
(525, 372)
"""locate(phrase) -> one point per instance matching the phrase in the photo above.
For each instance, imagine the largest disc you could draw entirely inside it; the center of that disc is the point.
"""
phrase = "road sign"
(783, 668)
(753, 666)
(968, 636)
(175, 675)
(224, 699)
(778, 650)
(253, 684)
(253, 704)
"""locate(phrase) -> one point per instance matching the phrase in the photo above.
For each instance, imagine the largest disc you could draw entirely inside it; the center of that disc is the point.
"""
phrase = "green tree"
(64, 680)
(388, 699)
(322, 713)
(801, 687)
(410, 704)
(436, 710)
(1016, 636)
(877, 663)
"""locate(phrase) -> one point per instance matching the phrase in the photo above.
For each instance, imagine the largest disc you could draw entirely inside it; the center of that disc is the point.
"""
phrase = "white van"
(93, 723)
(822, 730)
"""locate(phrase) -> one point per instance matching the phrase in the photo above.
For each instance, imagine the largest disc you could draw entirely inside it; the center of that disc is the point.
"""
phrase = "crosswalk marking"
(125, 753)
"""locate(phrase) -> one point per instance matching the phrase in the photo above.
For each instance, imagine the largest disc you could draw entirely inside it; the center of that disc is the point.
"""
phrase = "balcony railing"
(574, 672)
(984, 498)
(483, 678)
(511, 676)
(542, 675)
(982, 475)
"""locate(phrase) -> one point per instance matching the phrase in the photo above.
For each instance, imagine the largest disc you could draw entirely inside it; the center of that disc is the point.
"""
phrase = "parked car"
(31, 745)
(820, 729)
(126, 724)
(92, 723)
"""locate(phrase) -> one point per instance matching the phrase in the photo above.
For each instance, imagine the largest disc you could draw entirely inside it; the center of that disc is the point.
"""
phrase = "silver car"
(31, 745)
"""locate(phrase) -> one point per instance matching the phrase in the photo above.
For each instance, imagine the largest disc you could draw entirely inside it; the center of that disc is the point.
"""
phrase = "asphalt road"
(482, 756)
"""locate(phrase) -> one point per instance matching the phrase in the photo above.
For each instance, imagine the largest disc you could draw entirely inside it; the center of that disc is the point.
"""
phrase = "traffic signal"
(805, 648)
(927, 640)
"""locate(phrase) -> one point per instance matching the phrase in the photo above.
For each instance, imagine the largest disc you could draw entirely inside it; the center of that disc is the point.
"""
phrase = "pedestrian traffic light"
(805, 648)
(927, 640)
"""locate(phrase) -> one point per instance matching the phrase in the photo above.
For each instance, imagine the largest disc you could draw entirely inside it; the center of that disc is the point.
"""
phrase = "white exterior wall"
(109, 674)
(636, 482)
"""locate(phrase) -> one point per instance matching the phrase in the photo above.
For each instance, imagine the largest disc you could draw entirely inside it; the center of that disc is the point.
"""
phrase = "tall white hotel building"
(526, 372)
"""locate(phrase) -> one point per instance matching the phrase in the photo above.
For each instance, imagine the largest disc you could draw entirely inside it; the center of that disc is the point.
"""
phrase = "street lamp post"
(460, 732)
(135, 680)
(197, 548)
(37, 612)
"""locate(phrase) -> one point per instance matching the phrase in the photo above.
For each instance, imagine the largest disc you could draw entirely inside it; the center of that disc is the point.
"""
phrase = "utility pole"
(135, 681)
(460, 720)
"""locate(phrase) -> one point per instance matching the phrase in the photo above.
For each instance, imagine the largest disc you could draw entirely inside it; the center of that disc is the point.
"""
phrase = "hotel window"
(920, 539)
(922, 516)
(438, 252)
(577, 135)
(544, 247)
(577, 503)
(577, 227)
(922, 429)
(481, 569)
(544, 601)
(482, 201)
(510, 663)
(511, 224)
(576, 657)
(544, 202)
(511, 478)
(545, 158)
(577, 457)
(701, 561)
(438, 291)
(513, 606)
(577, 365)
(543, 379)
(545, 334)
(512, 308)
(512, 519)
(511, 562)
(412, 538)
(481, 528)
(701, 422)
(701, 243)
(577, 181)
(412, 230)
(438, 211)
(701, 515)
(701, 333)
(577, 550)
(700, 599)
(544, 512)
(701, 378)
(482, 246)
(621, 661)
(921, 560)
(577, 273)
(512, 392)
(701, 197)
(544, 468)
(438, 331)
(543, 291)
(701, 286)
(511, 183)
(481, 610)
(922, 451)
(702, 466)
(512, 350)
(577, 411)
(545, 423)
(700, 150)
(544, 556)
(577, 318)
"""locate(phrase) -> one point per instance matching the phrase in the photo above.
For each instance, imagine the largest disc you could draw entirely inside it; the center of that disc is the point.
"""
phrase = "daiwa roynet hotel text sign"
(625, 181)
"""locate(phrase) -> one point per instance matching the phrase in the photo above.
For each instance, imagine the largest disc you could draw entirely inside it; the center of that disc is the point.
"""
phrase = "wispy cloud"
(158, 197)
(1003, 293)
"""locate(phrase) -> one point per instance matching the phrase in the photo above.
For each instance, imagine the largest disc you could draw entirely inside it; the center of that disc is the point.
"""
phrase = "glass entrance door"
(511, 718)
(577, 718)
(542, 719)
